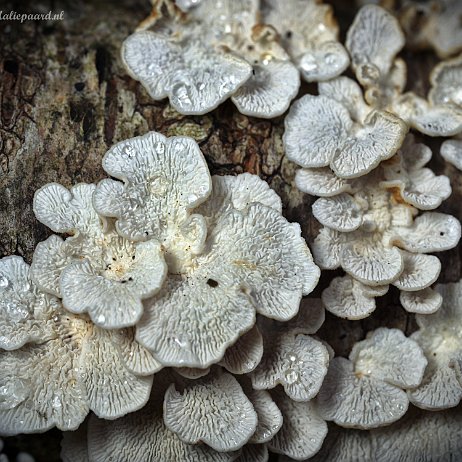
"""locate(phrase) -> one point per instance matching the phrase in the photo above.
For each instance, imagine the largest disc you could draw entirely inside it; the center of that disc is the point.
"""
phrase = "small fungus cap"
(351, 148)
(219, 413)
(309, 33)
(366, 391)
(373, 41)
(25, 311)
(293, 358)
(96, 270)
(440, 338)
(303, 430)
(143, 435)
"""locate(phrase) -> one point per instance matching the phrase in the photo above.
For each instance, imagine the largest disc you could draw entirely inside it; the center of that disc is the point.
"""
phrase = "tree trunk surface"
(66, 98)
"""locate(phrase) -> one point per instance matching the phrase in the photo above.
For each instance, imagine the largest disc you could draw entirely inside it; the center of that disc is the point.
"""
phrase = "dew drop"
(4, 282)
(291, 376)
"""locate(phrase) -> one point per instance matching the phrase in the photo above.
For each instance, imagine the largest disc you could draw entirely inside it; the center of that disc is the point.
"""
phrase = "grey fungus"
(368, 389)
(245, 355)
(348, 298)
(451, 151)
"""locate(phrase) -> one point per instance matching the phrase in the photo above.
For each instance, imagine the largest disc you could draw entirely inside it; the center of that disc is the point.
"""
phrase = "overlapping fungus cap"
(441, 340)
(342, 445)
(368, 389)
(375, 236)
(229, 255)
(221, 418)
(292, 358)
(420, 435)
(213, 51)
(65, 366)
(373, 41)
(95, 271)
(338, 130)
(441, 113)
(433, 24)
(309, 33)
(26, 313)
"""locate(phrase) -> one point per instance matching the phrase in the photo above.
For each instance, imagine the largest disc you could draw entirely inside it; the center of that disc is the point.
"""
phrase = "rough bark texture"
(65, 99)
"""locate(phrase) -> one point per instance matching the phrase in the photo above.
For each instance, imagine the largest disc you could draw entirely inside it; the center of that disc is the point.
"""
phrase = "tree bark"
(65, 99)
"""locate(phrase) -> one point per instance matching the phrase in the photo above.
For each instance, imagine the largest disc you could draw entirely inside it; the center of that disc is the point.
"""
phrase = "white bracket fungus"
(217, 413)
(367, 390)
(143, 435)
(212, 52)
(373, 41)
(292, 357)
(229, 255)
(96, 270)
(56, 379)
(303, 430)
(441, 113)
(451, 151)
(441, 340)
(422, 436)
(321, 131)
(309, 34)
(25, 312)
(371, 233)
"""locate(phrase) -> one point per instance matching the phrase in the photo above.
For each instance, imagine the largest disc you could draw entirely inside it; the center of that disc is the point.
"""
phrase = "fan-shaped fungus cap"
(373, 41)
(366, 391)
(245, 355)
(303, 430)
(446, 81)
(163, 65)
(418, 185)
(420, 435)
(348, 298)
(143, 435)
(451, 151)
(219, 413)
(309, 33)
(163, 179)
(95, 271)
(236, 274)
(429, 119)
(25, 312)
(441, 340)
(351, 148)
(75, 369)
(293, 358)
(343, 445)
(200, 58)
(434, 24)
